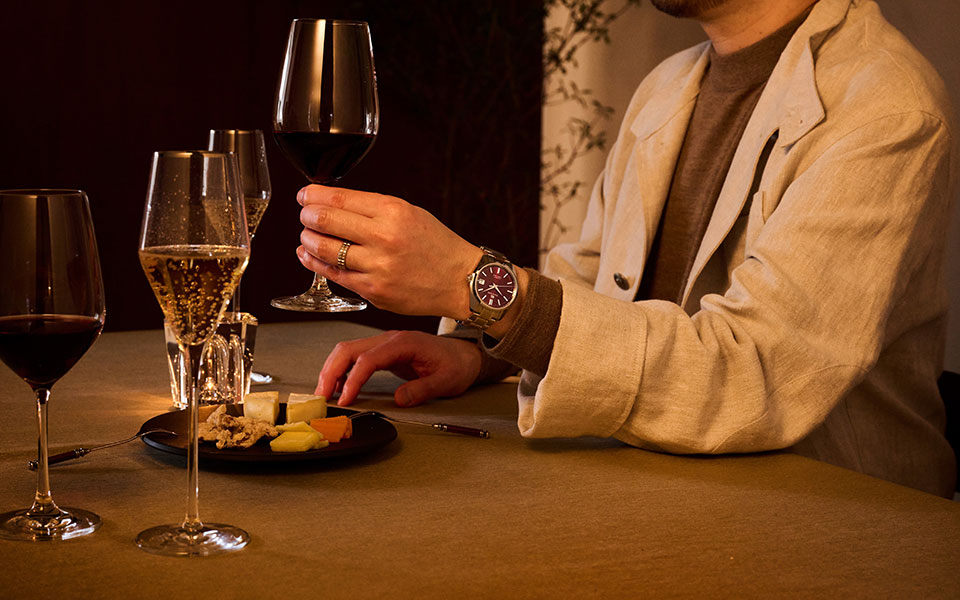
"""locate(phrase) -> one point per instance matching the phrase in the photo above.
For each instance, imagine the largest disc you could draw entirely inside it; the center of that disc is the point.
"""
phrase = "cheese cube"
(298, 426)
(303, 407)
(297, 441)
(333, 428)
(264, 406)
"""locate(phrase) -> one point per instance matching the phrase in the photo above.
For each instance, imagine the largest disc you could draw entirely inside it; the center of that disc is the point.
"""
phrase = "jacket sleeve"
(805, 317)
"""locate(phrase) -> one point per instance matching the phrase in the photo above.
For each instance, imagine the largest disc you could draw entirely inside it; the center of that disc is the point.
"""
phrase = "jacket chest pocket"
(760, 201)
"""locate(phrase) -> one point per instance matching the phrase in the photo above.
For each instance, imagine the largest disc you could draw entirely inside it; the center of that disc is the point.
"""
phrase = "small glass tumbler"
(226, 364)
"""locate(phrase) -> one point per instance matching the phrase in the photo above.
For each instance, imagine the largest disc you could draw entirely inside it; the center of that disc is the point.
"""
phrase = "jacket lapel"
(789, 107)
(659, 129)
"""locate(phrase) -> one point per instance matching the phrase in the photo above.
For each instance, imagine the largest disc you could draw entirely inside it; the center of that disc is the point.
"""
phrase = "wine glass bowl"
(249, 147)
(51, 311)
(194, 246)
(326, 117)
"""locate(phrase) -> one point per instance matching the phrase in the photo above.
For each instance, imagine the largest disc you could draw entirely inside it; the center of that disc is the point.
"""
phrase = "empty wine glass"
(51, 312)
(325, 119)
(194, 246)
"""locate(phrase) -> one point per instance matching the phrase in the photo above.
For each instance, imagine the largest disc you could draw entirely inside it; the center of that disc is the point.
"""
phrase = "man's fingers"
(361, 203)
(411, 355)
(332, 374)
(339, 362)
(352, 363)
(313, 263)
(375, 359)
(327, 249)
(348, 278)
(327, 384)
(336, 223)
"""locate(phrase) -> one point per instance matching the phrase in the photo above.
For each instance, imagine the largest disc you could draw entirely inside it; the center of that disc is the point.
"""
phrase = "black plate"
(369, 433)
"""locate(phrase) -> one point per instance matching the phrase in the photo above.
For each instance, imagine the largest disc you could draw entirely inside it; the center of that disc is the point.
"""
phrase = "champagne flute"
(51, 312)
(325, 119)
(251, 153)
(194, 246)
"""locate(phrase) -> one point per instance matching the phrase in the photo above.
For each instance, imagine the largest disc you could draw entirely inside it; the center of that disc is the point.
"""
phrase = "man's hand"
(434, 366)
(402, 258)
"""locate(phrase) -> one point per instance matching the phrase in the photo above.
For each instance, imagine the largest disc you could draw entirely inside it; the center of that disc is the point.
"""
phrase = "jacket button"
(621, 281)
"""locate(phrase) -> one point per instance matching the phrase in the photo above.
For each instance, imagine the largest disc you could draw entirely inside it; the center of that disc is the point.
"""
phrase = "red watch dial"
(495, 286)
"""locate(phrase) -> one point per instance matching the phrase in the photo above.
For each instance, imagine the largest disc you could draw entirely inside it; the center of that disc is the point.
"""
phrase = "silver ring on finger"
(342, 255)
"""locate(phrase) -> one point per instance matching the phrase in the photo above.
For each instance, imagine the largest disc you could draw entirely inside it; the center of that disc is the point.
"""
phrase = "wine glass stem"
(189, 394)
(319, 286)
(43, 504)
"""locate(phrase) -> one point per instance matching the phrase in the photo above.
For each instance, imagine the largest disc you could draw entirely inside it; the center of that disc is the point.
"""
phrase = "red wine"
(321, 156)
(42, 348)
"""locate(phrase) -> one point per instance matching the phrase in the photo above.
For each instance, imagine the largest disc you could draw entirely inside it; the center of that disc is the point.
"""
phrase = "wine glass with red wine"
(325, 119)
(51, 312)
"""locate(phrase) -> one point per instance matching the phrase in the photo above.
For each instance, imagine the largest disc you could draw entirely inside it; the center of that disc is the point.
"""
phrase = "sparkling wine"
(41, 348)
(322, 156)
(255, 206)
(193, 284)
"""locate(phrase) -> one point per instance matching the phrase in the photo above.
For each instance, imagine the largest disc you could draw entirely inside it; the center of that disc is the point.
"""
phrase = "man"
(760, 266)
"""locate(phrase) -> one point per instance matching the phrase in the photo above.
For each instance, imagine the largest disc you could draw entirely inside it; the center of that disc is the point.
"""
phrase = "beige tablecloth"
(443, 516)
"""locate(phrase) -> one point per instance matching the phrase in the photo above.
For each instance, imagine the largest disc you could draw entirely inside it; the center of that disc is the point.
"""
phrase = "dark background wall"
(89, 90)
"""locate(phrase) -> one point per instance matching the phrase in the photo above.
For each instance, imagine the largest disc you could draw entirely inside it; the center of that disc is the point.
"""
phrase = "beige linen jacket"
(814, 316)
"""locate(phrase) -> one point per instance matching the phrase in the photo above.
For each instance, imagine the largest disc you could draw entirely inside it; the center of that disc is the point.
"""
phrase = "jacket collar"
(793, 79)
(659, 129)
(790, 106)
(672, 99)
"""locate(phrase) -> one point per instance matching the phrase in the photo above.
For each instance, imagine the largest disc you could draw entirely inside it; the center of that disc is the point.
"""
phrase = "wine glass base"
(65, 524)
(316, 303)
(211, 539)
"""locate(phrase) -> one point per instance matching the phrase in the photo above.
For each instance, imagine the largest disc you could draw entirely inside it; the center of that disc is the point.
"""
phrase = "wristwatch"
(493, 289)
